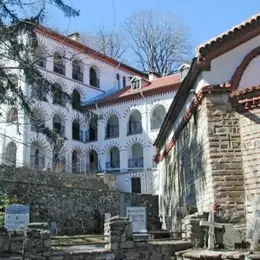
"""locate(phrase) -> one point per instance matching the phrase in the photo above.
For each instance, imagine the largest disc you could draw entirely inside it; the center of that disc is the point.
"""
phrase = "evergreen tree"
(18, 43)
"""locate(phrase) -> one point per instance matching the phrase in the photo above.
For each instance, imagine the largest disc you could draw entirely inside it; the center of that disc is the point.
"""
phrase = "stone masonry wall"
(76, 210)
(205, 166)
(250, 144)
(226, 156)
(187, 184)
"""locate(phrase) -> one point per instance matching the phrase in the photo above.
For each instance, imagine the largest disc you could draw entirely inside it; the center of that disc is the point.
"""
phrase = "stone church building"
(208, 148)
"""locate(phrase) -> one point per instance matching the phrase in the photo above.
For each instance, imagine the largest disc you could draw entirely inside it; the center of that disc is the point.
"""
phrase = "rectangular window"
(136, 184)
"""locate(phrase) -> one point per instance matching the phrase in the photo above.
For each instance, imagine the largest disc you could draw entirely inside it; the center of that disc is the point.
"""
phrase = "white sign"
(138, 217)
(16, 217)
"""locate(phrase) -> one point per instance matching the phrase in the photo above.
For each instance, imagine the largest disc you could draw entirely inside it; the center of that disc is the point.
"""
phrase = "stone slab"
(231, 237)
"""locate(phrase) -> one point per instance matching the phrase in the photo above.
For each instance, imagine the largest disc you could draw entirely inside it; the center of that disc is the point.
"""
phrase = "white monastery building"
(132, 104)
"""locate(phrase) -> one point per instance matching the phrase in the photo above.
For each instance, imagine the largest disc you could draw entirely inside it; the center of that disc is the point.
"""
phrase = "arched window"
(39, 92)
(93, 131)
(75, 162)
(118, 81)
(59, 64)
(76, 102)
(124, 81)
(75, 130)
(113, 158)
(135, 156)
(58, 161)
(37, 155)
(135, 123)
(59, 125)
(93, 162)
(58, 95)
(112, 128)
(77, 71)
(10, 158)
(93, 78)
(12, 115)
(37, 120)
(157, 117)
(40, 56)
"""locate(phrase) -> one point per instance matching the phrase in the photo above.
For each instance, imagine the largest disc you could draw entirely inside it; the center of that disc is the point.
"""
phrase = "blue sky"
(205, 19)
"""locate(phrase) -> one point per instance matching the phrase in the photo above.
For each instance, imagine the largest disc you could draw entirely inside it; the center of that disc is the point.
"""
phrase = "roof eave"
(177, 103)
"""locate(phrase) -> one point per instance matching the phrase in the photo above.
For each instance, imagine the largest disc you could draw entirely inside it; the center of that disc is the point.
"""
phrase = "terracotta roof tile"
(159, 85)
(244, 91)
(82, 48)
(210, 44)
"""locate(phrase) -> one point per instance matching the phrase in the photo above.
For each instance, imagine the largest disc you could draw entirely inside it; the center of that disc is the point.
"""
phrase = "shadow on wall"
(185, 175)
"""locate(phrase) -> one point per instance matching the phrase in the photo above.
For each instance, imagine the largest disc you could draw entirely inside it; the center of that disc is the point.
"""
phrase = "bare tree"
(159, 41)
(107, 42)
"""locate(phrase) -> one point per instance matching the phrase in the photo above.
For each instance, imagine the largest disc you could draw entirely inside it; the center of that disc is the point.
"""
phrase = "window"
(118, 81)
(93, 162)
(93, 78)
(135, 83)
(58, 161)
(135, 156)
(136, 184)
(59, 64)
(37, 156)
(157, 117)
(124, 81)
(93, 131)
(112, 128)
(135, 123)
(75, 162)
(39, 57)
(76, 103)
(37, 121)
(77, 72)
(12, 115)
(75, 130)
(113, 158)
(38, 92)
(10, 158)
(58, 95)
(59, 125)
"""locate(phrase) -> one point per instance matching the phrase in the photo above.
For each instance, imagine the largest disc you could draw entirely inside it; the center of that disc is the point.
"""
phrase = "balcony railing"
(134, 127)
(59, 68)
(136, 162)
(113, 165)
(156, 122)
(77, 75)
(112, 131)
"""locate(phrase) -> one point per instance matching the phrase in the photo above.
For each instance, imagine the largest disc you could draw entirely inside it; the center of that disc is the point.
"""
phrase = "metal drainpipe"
(146, 129)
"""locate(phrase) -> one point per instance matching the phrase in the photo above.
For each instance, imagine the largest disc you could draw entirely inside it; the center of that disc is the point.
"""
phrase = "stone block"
(45, 234)
(32, 233)
(127, 245)
(27, 245)
(40, 225)
(114, 246)
(47, 253)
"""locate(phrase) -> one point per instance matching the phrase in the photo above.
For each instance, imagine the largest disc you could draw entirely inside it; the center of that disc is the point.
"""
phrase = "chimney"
(183, 70)
(75, 36)
(153, 75)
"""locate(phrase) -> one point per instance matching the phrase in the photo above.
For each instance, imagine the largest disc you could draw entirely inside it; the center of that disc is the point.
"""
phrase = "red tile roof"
(157, 86)
(85, 49)
(231, 33)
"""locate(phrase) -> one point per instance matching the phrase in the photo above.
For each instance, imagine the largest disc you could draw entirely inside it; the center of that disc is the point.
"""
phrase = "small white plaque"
(16, 217)
(138, 217)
